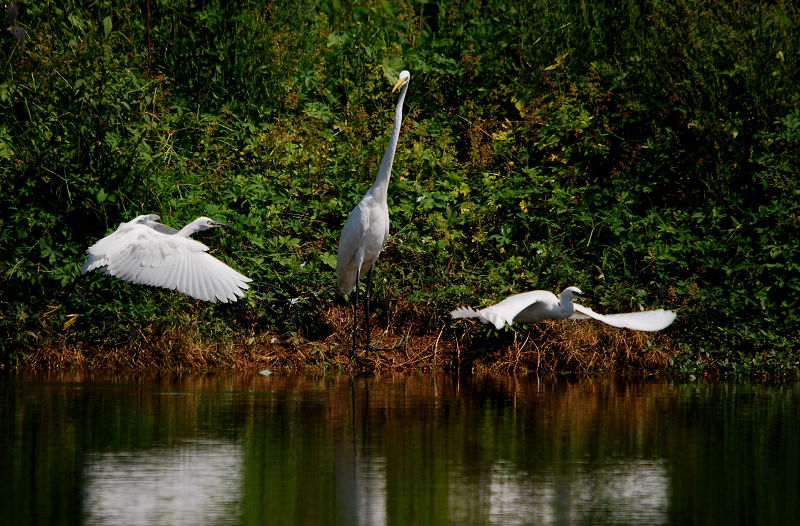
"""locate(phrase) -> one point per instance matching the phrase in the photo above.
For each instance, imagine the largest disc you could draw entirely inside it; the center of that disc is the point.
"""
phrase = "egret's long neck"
(566, 308)
(188, 230)
(381, 185)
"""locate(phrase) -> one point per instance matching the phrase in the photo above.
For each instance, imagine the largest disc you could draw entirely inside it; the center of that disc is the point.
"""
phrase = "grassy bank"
(547, 348)
(648, 153)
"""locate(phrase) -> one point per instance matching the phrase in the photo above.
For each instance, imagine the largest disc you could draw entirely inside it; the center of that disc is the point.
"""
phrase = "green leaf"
(336, 39)
(392, 68)
(329, 259)
(107, 25)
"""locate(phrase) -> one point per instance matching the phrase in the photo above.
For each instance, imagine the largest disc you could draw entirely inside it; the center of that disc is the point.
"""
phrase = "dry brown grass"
(415, 344)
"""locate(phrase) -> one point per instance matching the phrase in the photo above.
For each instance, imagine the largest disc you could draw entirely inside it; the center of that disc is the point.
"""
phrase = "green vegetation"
(646, 152)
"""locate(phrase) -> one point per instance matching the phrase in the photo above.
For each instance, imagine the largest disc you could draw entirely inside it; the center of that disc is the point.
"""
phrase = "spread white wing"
(506, 311)
(97, 253)
(647, 320)
(145, 256)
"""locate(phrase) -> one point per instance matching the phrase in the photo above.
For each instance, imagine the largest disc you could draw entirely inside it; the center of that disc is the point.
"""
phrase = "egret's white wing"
(93, 261)
(160, 227)
(147, 257)
(97, 254)
(350, 240)
(504, 312)
(213, 279)
(648, 320)
(466, 312)
(509, 309)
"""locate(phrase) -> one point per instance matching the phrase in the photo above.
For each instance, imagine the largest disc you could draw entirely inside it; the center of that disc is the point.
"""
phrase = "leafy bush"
(646, 152)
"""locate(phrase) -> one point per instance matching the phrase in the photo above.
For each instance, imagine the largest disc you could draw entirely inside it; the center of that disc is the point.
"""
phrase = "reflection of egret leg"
(346, 464)
(355, 423)
(366, 411)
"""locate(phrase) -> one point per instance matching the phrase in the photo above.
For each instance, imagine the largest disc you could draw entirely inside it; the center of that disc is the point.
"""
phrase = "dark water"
(395, 450)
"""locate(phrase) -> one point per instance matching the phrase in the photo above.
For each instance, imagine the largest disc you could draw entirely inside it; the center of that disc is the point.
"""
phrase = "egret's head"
(404, 77)
(204, 223)
(573, 292)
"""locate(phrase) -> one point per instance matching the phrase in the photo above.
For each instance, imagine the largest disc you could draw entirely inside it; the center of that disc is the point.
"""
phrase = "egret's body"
(544, 305)
(367, 227)
(362, 239)
(146, 252)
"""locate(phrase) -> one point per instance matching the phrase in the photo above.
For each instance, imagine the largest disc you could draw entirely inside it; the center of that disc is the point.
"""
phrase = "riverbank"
(583, 347)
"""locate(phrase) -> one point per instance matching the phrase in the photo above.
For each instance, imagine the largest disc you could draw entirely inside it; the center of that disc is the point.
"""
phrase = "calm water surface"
(402, 450)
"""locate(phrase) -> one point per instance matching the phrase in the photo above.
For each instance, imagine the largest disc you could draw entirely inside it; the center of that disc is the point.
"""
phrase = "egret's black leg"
(354, 355)
(369, 292)
(366, 302)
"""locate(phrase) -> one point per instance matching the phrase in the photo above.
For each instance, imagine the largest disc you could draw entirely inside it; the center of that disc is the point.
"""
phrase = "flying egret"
(544, 305)
(367, 226)
(146, 252)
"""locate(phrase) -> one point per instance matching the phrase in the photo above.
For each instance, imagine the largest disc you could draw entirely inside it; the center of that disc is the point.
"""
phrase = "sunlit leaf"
(392, 68)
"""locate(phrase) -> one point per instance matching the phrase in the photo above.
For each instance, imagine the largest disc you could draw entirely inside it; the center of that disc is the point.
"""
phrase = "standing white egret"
(146, 252)
(544, 305)
(367, 226)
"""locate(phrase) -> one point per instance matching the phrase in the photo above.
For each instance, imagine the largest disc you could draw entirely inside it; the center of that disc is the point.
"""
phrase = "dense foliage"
(647, 151)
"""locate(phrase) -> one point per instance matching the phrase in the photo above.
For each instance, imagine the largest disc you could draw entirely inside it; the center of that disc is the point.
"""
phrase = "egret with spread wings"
(544, 305)
(146, 252)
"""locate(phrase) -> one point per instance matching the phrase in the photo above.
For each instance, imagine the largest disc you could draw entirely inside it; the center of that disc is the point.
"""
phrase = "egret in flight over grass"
(367, 226)
(544, 305)
(146, 252)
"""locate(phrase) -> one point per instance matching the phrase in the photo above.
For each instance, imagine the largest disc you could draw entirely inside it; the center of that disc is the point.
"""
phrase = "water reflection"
(249, 449)
(370, 500)
(619, 493)
(360, 470)
(195, 483)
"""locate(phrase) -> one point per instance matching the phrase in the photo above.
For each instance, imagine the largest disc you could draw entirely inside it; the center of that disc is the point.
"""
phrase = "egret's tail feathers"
(464, 312)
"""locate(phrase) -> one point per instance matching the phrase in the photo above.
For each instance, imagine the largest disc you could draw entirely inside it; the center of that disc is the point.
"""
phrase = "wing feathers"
(146, 256)
(353, 232)
(464, 312)
(648, 320)
(539, 305)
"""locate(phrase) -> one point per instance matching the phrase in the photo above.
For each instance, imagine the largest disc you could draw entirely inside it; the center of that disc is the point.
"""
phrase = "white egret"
(367, 226)
(146, 252)
(544, 305)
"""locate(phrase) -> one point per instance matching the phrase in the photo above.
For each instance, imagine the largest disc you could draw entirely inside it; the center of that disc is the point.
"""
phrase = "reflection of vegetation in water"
(414, 449)
(645, 153)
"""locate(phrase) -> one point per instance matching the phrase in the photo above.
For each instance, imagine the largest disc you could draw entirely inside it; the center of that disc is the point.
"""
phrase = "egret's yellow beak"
(400, 83)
